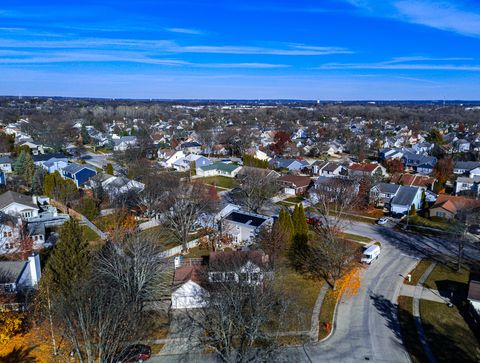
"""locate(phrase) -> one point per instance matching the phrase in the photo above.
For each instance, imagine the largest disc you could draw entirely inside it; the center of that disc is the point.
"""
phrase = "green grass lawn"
(302, 291)
(296, 199)
(285, 204)
(220, 181)
(442, 273)
(356, 218)
(355, 237)
(409, 330)
(418, 271)
(326, 312)
(90, 235)
(449, 336)
(160, 234)
(425, 222)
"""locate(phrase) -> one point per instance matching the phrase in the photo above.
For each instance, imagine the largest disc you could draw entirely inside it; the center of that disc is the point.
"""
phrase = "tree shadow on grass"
(443, 347)
(19, 355)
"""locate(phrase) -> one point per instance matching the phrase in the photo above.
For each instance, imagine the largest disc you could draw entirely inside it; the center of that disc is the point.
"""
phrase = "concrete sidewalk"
(423, 293)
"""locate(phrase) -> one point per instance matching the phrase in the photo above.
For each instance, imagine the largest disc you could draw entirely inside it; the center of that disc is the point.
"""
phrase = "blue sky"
(329, 50)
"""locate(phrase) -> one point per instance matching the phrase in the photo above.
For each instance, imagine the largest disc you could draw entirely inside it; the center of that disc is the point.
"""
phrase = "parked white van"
(370, 254)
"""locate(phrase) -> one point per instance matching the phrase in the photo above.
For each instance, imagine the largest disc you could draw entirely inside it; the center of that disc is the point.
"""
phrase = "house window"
(440, 214)
(4, 234)
(216, 276)
(230, 277)
(40, 237)
(8, 246)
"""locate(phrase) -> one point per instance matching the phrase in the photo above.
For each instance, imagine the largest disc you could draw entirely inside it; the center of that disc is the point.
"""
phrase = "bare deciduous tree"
(257, 187)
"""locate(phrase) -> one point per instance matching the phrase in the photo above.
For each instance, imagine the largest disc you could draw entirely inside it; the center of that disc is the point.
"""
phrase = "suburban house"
(219, 169)
(468, 186)
(367, 169)
(51, 162)
(474, 294)
(19, 205)
(17, 277)
(248, 267)
(35, 149)
(336, 185)
(124, 142)
(258, 154)
(191, 147)
(166, 157)
(328, 169)
(258, 172)
(294, 184)
(243, 226)
(382, 193)
(5, 164)
(334, 148)
(290, 164)
(188, 292)
(185, 163)
(447, 206)
(387, 154)
(461, 146)
(414, 180)
(469, 168)
(115, 185)
(193, 279)
(405, 198)
(396, 198)
(9, 233)
(79, 173)
(413, 161)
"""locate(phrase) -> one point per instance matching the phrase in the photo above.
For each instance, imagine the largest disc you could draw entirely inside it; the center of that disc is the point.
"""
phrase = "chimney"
(34, 199)
(35, 269)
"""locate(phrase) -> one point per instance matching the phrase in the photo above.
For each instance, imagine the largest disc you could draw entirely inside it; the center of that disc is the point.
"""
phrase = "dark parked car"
(135, 353)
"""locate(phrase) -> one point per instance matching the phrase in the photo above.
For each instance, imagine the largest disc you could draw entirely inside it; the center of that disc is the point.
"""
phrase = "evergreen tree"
(285, 223)
(29, 168)
(299, 220)
(84, 134)
(413, 210)
(37, 181)
(70, 260)
(20, 163)
(298, 252)
(109, 168)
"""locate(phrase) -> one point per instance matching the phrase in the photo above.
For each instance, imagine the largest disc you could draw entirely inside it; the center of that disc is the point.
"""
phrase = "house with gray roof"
(19, 275)
(382, 193)
(78, 173)
(405, 197)
(124, 142)
(19, 205)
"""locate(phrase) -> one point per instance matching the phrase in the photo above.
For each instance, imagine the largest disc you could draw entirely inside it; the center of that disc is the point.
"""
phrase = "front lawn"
(327, 311)
(302, 291)
(355, 237)
(418, 271)
(89, 234)
(409, 330)
(296, 200)
(160, 234)
(442, 276)
(448, 335)
(425, 222)
(220, 181)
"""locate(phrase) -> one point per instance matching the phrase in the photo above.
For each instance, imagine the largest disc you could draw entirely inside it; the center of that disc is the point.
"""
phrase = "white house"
(124, 142)
(187, 290)
(19, 275)
(167, 157)
(219, 169)
(9, 233)
(19, 205)
(405, 197)
(467, 185)
(243, 226)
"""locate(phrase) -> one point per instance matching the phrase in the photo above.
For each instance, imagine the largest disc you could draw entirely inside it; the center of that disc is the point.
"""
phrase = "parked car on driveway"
(135, 353)
(382, 220)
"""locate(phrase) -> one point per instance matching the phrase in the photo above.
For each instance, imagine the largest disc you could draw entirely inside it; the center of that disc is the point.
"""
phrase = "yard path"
(422, 293)
(314, 330)
(416, 313)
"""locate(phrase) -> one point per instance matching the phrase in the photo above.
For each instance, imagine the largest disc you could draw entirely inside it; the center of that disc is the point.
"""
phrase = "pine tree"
(299, 220)
(29, 168)
(413, 210)
(70, 260)
(109, 168)
(37, 181)
(299, 251)
(285, 222)
(19, 167)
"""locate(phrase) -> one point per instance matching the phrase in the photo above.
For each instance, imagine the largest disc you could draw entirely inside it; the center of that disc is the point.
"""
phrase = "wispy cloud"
(290, 50)
(454, 16)
(184, 31)
(410, 63)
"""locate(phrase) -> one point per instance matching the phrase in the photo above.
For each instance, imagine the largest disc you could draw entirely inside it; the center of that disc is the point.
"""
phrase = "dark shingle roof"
(246, 218)
(405, 195)
(75, 168)
(387, 188)
(10, 271)
(45, 157)
(10, 197)
(5, 159)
